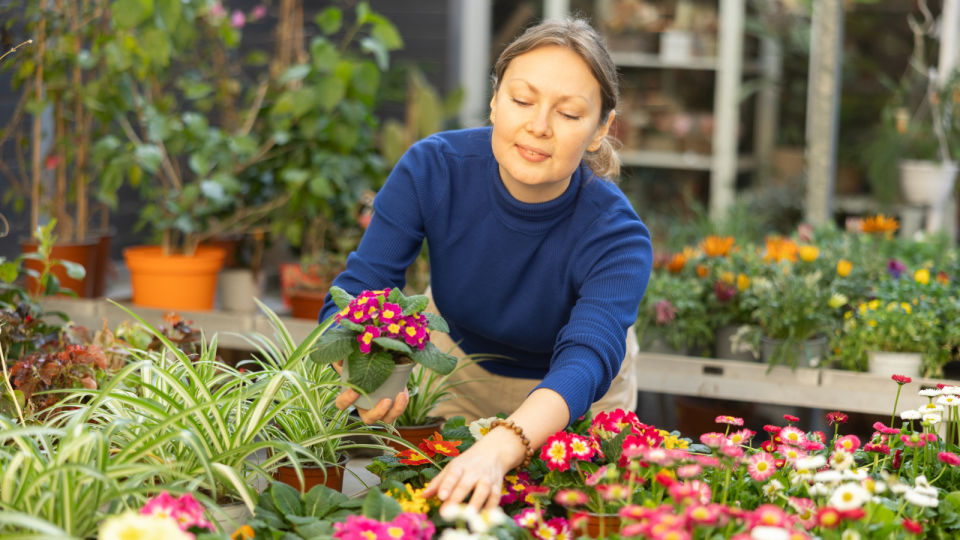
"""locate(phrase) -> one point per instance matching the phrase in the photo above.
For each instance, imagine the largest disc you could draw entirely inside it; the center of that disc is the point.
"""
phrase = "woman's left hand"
(480, 469)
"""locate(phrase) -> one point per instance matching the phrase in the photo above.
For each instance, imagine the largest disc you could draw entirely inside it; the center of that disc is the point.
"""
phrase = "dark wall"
(423, 24)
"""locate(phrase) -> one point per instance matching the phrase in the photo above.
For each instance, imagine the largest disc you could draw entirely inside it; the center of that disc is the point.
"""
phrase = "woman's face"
(545, 116)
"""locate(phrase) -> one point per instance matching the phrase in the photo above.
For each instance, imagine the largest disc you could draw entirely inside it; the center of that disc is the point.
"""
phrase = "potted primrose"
(380, 337)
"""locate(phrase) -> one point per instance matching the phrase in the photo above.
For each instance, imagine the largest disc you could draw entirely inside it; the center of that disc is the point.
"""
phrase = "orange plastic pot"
(331, 476)
(82, 253)
(611, 524)
(175, 281)
(416, 434)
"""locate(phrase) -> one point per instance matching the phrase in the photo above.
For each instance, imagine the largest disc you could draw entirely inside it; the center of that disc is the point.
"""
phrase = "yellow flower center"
(558, 452)
(369, 535)
(762, 466)
(395, 532)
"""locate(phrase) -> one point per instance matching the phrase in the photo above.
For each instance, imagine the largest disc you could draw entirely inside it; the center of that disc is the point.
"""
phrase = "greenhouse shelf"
(226, 324)
(828, 389)
(678, 160)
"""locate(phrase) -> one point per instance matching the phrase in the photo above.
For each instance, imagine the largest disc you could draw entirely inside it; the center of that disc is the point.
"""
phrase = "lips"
(534, 150)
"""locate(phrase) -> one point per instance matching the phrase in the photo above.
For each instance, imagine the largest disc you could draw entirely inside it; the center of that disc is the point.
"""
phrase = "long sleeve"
(615, 261)
(395, 235)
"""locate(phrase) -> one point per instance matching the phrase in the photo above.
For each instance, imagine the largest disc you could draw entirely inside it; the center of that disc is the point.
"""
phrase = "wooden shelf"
(678, 160)
(650, 60)
(827, 389)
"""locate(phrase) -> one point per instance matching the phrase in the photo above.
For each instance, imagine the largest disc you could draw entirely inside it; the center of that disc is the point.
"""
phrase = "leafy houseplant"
(382, 334)
(674, 310)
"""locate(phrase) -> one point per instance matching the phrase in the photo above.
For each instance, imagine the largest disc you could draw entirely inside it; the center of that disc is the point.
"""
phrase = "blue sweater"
(552, 285)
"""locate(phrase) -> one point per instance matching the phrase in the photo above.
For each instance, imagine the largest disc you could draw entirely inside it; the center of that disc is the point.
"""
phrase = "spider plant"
(206, 418)
(55, 482)
(310, 418)
(428, 389)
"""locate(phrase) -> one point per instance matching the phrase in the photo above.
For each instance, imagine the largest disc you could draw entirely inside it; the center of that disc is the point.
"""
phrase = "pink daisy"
(761, 466)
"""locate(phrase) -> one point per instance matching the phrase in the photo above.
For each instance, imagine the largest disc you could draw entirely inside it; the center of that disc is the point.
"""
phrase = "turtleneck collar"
(532, 218)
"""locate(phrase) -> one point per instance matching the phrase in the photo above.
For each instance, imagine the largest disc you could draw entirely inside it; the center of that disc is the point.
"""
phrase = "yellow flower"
(743, 282)
(672, 441)
(891, 306)
(862, 308)
(132, 526)
(844, 267)
(874, 304)
(809, 253)
(690, 252)
(872, 323)
(838, 300)
(727, 277)
(922, 276)
(906, 307)
(412, 500)
(848, 314)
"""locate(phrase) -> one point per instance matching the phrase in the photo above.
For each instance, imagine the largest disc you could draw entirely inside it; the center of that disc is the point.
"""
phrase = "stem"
(6, 380)
(894, 415)
(943, 470)
(915, 473)
(726, 483)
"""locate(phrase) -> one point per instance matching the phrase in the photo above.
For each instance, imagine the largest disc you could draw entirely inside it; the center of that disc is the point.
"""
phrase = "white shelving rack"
(724, 163)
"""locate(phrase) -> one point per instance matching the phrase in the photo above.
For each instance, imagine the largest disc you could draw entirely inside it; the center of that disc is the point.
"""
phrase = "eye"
(518, 102)
(567, 116)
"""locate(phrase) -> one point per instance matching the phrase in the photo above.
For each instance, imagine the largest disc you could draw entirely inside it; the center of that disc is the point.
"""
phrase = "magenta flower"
(792, 435)
(258, 13)
(527, 519)
(581, 448)
(556, 452)
(412, 334)
(689, 471)
(878, 448)
(724, 291)
(813, 446)
(238, 19)
(896, 268)
(357, 313)
(761, 466)
(412, 526)
(162, 506)
(367, 337)
(848, 443)
(949, 458)
(713, 440)
(732, 420)
(186, 511)
(390, 313)
(360, 528)
(666, 312)
(914, 441)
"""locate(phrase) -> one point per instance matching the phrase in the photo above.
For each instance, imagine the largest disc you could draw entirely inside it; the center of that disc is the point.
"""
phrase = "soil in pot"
(306, 304)
(330, 476)
(611, 524)
(176, 281)
(83, 253)
(394, 384)
(416, 434)
(810, 353)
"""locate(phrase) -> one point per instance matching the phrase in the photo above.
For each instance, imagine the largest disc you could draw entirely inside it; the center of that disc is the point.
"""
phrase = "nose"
(539, 124)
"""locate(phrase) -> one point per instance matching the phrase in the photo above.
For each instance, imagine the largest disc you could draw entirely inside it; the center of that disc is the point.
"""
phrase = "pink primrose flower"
(360, 528)
(761, 466)
(162, 506)
(580, 448)
(390, 313)
(597, 477)
(366, 338)
(527, 519)
(556, 452)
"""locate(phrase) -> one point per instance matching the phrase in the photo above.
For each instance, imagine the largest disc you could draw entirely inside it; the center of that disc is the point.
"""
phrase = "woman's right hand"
(387, 410)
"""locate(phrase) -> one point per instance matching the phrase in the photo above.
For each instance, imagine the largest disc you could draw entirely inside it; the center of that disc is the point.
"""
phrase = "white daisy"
(769, 533)
(948, 400)
(810, 463)
(930, 392)
(930, 408)
(482, 522)
(848, 497)
(932, 419)
(828, 476)
(800, 477)
(841, 460)
(873, 486)
(457, 512)
(481, 427)
(771, 488)
(920, 499)
(850, 534)
(910, 415)
(818, 490)
(854, 474)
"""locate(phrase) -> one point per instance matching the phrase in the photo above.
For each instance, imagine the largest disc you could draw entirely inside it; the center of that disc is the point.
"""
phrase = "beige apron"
(488, 394)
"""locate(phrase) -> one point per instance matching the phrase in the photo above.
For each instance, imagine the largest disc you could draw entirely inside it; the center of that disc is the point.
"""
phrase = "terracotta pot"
(176, 281)
(611, 523)
(331, 476)
(103, 262)
(306, 304)
(229, 244)
(83, 253)
(416, 434)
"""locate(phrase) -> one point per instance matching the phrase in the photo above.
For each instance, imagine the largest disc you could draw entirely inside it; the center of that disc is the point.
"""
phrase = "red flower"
(412, 457)
(440, 446)
(556, 452)
(878, 448)
(818, 436)
(837, 418)
(829, 517)
(912, 527)
(901, 379)
(949, 458)
(768, 446)
(773, 430)
(897, 459)
(790, 418)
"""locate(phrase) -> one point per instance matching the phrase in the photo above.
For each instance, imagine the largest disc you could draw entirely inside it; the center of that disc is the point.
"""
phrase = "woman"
(534, 254)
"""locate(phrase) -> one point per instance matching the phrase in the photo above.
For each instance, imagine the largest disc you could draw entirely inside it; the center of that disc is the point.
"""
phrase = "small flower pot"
(306, 304)
(174, 282)
(238, 288)
(888, 364)
(676, 47)
(660, 346)
(810, 353)
(416, 434)
(330, 476)
(84, 253)
(611, 524)
(722, 345)
(928, 183)
(394, 384)
(231, 516)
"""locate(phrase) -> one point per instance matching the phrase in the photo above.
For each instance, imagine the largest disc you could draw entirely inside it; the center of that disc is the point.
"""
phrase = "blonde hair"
(578, 36)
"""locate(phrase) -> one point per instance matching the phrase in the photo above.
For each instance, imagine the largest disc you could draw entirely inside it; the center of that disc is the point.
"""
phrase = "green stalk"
(726, 484)
(892, 416)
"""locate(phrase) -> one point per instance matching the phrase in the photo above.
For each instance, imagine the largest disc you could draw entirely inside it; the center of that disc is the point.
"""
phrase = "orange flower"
(844, 267)
(676, 264)
(879, 224)
(716, 246)
(690, 252)
(943, 278)
(243, 533)
(701, 270)
(440, 446)
(780, 249)
(412, 457)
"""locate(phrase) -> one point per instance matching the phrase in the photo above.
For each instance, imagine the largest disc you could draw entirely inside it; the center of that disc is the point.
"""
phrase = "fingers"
(463, 488)
(373, 415)
(481, 492)
(452, 476)
(346, 398)
(399, 405)
(493, 501)
(338, 366)
(433, 486)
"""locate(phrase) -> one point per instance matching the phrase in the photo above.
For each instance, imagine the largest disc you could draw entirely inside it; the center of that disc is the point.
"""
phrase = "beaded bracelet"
(528, 456)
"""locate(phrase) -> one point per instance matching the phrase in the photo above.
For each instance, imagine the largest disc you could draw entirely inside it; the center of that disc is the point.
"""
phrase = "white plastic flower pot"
(676, 47)
(394, 384)
(723, 345)
(238, 288)
(809, 353)
(232, 516)
(928, 183)
(887, 364)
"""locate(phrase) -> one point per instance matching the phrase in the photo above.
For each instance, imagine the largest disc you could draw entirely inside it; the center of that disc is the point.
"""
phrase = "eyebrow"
(562, 98)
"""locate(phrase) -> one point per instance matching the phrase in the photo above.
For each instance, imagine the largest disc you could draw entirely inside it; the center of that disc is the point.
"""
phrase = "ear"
(602, 132)
(493, 107)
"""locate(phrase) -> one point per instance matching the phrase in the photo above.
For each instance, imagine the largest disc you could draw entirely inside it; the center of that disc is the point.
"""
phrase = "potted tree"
(381, 336)
(57, 183)
(160, 109)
